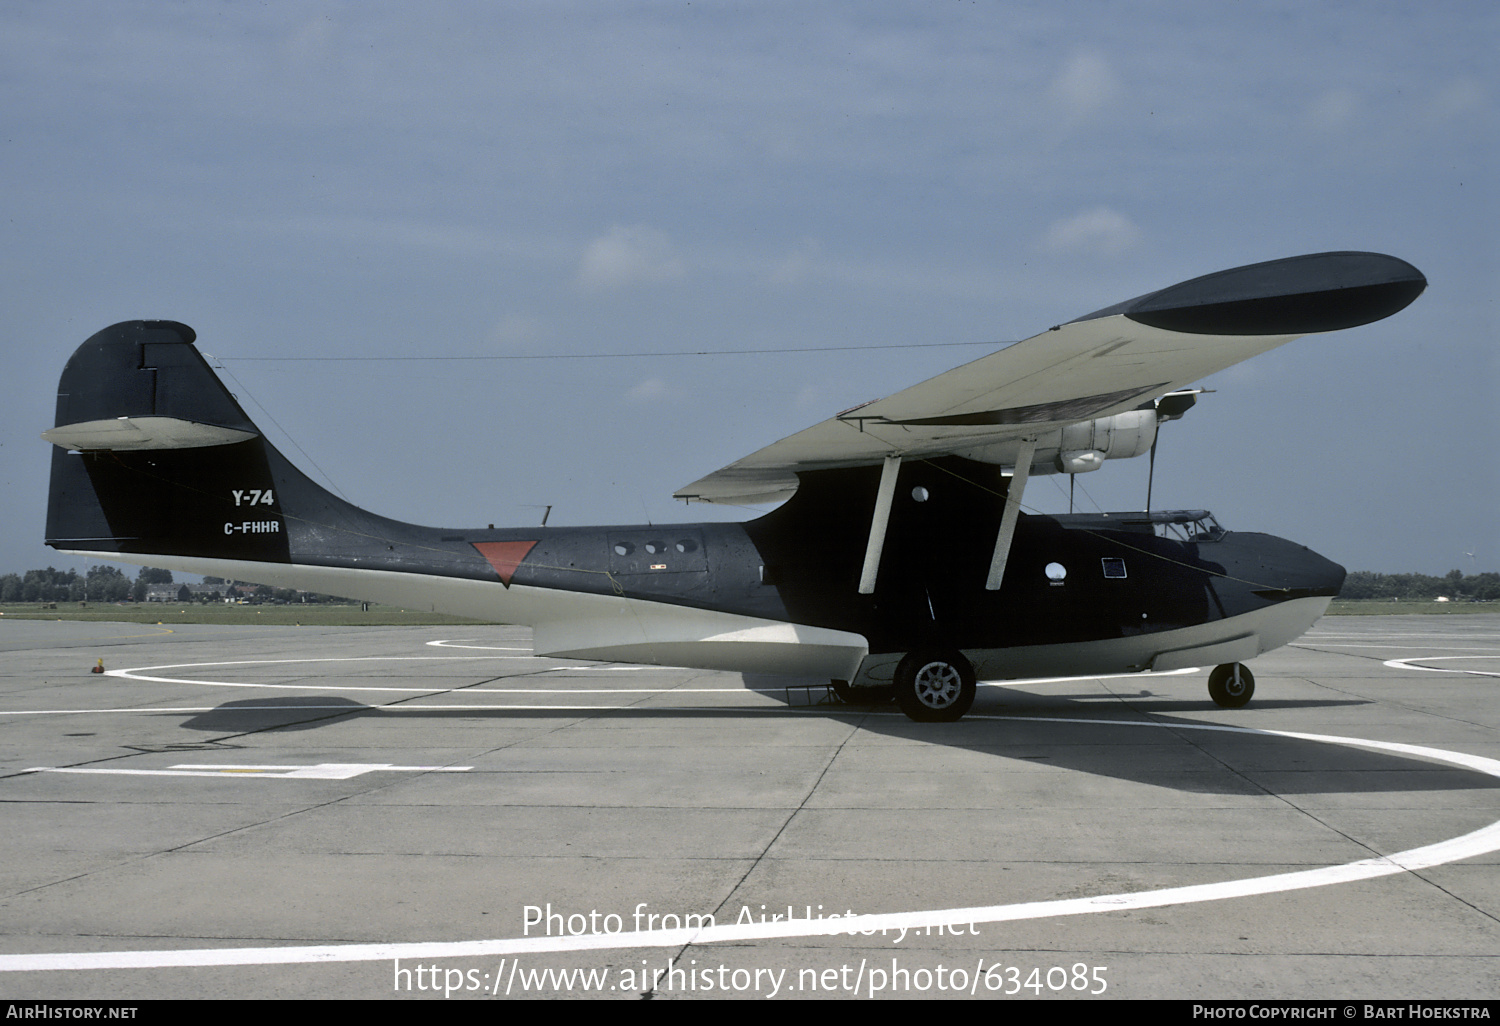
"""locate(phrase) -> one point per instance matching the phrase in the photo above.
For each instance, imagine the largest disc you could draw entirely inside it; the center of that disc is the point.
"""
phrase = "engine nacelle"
(1079, 461)
(1082, 447)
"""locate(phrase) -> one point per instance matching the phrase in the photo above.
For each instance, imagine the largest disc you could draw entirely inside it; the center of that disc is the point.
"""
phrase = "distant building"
(174, 592)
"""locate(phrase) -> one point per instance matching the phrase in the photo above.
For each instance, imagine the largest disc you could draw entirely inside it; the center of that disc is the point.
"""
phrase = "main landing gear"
(931, 686)
(1231, 685)
(935, 687)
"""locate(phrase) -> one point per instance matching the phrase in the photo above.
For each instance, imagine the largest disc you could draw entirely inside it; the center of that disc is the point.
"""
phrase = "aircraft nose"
(1287, 567)
(1325, 577)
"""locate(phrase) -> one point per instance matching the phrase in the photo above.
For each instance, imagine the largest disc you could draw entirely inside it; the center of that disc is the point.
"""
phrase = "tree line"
(101, 584)
(1454, 585)
(109, 584)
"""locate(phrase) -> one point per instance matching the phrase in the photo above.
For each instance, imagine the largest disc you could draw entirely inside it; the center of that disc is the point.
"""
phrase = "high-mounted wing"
(1106, 363)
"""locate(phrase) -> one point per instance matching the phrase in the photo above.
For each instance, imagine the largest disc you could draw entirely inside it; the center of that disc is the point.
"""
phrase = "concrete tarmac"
(431, 813)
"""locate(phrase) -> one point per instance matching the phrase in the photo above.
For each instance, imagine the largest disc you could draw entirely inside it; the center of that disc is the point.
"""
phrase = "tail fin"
(157, 463)
(155, 456)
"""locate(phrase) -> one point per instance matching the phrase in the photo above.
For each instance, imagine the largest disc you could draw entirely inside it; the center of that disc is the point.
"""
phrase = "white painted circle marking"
(1410, 663)
(140, 673)
(1470, 845)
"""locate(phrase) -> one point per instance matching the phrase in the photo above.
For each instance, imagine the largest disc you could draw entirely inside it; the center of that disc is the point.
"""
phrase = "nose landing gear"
(1231, 685)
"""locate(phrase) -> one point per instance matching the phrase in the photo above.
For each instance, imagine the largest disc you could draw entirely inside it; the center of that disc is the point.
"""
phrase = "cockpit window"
(1187, 526)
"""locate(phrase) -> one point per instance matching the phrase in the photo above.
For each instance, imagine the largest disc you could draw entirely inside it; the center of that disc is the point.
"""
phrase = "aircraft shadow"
(1010, 726)
(1177, 751)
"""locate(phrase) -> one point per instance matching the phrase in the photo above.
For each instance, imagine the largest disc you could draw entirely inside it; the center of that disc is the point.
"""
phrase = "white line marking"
(433, 707)
(322, 771)
(1438, 648)
(139, 673)
(1409, 663)
(1471, 845)
(139, 709)
(427, 707)
(455, 690)
(1140, 675)
(601, 667)
(1314, 635)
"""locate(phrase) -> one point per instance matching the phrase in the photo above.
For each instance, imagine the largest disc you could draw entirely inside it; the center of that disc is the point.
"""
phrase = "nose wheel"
(1231, 685)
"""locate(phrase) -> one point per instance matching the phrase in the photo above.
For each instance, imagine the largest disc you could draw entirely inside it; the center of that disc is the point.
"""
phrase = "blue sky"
(458, 182)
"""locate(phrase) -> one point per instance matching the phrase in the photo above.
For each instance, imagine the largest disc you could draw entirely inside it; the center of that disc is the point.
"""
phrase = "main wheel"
(934, 687)
(1231, 685)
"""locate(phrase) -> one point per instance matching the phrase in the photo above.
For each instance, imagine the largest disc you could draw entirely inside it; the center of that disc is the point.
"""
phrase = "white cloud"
(798, 265)
(1098, 232)
(648, 391)
(515, 330)
(1334, 111)
(810, 397)
(1457, 99)
(1085, 84)
(310, 43)
(629, 256)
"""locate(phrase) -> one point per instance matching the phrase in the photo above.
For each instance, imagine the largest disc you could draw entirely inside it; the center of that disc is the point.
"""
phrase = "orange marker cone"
(98, 667)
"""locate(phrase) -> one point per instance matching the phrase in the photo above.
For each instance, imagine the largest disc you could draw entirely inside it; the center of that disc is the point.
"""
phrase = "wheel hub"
(938, 685)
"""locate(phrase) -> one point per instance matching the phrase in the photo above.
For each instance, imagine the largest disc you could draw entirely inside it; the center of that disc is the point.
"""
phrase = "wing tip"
(1292, 296)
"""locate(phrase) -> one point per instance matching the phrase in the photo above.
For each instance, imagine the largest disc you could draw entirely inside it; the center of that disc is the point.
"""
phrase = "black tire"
(1227, 691)
(851, 695)
(935, 687)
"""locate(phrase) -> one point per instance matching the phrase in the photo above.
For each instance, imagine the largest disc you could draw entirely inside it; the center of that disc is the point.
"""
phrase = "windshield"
(1197, 525)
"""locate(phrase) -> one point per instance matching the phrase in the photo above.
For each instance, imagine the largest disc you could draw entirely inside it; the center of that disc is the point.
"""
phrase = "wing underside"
(1106, 364)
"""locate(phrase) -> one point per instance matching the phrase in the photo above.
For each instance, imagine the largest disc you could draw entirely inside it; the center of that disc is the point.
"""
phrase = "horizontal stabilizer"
(136, 433)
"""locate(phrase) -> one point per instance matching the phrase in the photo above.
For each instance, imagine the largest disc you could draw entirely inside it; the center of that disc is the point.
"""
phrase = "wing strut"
(1012, 511)
(878, 524)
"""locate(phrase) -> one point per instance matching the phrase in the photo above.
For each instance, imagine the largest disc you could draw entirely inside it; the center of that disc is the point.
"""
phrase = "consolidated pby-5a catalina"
(899, 559)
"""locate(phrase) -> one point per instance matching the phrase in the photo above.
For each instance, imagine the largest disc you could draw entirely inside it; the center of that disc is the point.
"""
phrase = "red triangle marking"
(504, 556)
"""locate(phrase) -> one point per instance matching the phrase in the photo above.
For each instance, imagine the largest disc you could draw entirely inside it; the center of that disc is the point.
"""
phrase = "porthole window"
(623, 548)
(920, 494)
(687, 545)
(656, 547)
(1056, 572)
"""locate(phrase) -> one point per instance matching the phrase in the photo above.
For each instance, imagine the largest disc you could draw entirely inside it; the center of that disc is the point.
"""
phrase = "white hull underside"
(578, 625)
(613, 628)
(1233, 640)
